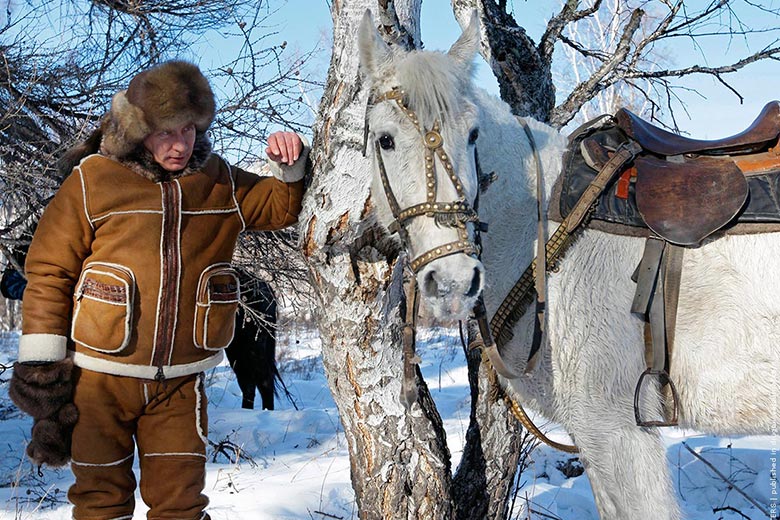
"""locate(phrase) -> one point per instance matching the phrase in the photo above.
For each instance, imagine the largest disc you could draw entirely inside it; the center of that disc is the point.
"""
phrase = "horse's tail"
(279, 385)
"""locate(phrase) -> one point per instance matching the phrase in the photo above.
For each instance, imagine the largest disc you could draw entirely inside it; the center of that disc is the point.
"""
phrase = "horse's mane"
(434, 85)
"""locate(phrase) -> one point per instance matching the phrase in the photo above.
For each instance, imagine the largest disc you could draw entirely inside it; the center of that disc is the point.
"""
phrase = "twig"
(231, 450)
(327, 515)
(544, 515)
(729, 508)
(726, 480)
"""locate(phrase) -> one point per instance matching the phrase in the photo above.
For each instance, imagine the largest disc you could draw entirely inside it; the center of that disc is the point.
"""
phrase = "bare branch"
(727, 480)
(590, 87)
(598, 54)
(569, 14)
(690, 22)
(771, 53)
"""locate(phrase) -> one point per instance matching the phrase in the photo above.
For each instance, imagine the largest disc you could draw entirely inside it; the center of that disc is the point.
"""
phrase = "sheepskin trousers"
(165, 420)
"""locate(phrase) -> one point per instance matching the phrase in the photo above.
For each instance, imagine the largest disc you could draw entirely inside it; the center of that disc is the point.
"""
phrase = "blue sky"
(303, 22)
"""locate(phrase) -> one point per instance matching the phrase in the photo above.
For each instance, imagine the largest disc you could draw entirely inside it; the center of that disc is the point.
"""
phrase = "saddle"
(677, 191)
(679, 188)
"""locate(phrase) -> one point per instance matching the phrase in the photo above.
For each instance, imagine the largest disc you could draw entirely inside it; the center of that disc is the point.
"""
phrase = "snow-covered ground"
(295, 464)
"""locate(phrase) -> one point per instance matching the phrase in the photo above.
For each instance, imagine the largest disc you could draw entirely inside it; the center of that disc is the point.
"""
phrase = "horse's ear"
(465, 48)
(373, 50)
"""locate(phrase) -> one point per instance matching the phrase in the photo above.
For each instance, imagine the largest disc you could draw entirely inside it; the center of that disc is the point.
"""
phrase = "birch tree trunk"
(400, 463)
(486, 472)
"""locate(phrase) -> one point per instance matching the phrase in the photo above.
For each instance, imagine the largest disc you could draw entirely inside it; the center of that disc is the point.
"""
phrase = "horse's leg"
(239, 358)
(266, 350)
(242, 366)
(247, 385)
(597, 359)
(266, 369)
(627, 467)
(626, 464)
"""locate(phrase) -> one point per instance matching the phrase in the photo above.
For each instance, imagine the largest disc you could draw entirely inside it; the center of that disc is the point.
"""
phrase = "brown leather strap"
(659, 273)
(520, 296)
(488, 343)
(452, 248)
(410, 359)
(623, 155)
(427, 208)
(673, 259)
(661, 314)
(540, 272)
(519, 412)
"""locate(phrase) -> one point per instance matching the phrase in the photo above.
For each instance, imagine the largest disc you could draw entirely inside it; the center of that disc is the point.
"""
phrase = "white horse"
(728, 326)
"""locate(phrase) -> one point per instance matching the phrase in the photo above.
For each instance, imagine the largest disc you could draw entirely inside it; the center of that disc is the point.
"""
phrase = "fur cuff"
(42, 347)
(296, 171)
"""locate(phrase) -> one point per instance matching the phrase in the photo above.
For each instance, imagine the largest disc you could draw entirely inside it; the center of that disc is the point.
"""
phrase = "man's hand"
(284, 147)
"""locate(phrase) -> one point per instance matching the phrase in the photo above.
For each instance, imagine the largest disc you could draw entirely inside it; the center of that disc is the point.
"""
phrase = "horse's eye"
(386, 142)
(473, 136)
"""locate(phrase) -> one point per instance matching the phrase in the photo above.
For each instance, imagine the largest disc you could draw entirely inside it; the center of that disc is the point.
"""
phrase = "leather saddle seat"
(686, 189)
(757, 136)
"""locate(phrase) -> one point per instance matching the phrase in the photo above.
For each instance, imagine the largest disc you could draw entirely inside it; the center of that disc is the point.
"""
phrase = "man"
(131, 296)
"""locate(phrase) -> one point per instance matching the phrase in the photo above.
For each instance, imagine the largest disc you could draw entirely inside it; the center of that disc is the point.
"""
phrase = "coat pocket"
(215, 307)
(103, 313)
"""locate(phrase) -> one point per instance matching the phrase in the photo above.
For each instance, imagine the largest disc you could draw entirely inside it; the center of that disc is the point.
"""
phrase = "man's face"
(172, 148)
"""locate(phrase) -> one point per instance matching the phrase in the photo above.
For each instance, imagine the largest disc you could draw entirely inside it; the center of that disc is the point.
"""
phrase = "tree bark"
(523, 70)
(486, 472)
(400, 462)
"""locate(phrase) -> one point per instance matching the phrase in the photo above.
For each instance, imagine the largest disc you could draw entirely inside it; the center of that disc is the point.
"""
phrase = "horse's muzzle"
(450, 286)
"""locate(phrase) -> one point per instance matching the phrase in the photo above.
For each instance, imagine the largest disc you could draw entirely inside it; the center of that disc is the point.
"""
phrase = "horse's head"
(423, 131)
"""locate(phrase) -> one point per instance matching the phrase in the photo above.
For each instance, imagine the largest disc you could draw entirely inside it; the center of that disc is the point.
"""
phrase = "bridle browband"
(454, 213)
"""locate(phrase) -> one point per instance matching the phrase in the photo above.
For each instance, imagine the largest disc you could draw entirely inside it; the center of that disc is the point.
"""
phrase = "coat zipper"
(166, 318)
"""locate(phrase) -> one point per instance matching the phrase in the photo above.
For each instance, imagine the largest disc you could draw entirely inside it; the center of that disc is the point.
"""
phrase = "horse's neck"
(509, 204)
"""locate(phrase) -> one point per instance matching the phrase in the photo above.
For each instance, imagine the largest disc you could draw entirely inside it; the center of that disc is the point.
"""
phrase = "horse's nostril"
(430, 285)
(475, 283)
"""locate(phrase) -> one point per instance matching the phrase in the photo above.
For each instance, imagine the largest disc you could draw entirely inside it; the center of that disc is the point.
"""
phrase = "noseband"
(453, 214)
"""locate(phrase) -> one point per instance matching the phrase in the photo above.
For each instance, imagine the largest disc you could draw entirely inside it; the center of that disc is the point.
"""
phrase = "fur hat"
(165, 96)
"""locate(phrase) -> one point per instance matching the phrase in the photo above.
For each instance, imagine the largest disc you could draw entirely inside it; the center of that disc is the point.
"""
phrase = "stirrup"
(664, 379)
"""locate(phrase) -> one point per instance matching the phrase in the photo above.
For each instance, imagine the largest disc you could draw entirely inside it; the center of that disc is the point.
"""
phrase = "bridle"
(455, 213)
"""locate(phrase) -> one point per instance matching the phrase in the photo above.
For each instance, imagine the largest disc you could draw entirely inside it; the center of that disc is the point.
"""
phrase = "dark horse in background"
(252, 353)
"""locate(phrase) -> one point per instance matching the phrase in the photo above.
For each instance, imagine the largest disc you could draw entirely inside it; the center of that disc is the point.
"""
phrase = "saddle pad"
(621, 215)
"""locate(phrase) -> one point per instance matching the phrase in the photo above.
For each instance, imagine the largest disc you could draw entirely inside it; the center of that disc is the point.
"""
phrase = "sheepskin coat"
(129, 268)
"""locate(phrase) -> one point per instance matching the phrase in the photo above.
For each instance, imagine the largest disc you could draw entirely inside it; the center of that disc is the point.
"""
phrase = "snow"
(295, 463)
